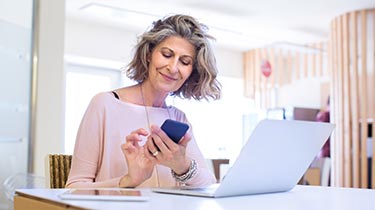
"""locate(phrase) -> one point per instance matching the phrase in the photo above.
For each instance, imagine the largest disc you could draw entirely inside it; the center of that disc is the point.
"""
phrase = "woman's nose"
(173, 66)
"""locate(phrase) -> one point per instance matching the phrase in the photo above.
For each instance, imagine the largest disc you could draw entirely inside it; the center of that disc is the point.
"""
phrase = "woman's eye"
(185, 62)
(167, 55)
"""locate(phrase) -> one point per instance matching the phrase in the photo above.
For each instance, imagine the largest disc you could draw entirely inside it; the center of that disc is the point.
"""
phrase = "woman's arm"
(204, 175)
(88, 148)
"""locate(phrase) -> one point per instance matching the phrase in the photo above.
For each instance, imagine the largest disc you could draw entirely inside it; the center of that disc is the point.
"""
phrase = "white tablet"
(106, 194)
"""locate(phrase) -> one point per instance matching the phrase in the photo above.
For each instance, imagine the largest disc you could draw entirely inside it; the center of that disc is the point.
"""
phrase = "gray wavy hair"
(202, 83)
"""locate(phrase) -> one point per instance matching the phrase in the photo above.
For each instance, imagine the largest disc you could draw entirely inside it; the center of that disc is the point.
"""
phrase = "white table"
(301, 197)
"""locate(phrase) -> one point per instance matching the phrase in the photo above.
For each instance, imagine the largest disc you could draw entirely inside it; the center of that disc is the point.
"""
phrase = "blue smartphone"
(174, 129)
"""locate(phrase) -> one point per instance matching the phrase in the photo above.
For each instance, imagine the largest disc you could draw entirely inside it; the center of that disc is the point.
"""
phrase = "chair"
(324, 164)
(58, 170)
(214, 165)
(318, 173)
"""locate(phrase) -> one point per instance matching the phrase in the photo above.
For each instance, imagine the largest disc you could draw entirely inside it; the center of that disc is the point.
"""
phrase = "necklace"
(146, 110)
(149, 126)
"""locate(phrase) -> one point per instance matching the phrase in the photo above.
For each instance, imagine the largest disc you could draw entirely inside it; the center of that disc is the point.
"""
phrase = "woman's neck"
(151, 97)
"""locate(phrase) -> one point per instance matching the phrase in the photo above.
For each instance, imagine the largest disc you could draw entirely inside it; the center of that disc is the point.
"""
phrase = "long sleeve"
(87, 155)
(204, 176)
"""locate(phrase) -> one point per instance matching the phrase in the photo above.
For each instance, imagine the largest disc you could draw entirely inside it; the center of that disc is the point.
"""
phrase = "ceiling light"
(122, 14)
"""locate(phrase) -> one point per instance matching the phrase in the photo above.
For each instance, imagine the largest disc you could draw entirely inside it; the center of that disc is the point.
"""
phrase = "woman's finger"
(185, 140)
(159, 143)
(152, 149)
(167, 141)
(135, 136)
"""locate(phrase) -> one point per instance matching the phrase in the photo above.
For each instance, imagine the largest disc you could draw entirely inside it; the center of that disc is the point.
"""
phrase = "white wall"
(98, 41)
(229, 62)
(301, 93)
(49, 133)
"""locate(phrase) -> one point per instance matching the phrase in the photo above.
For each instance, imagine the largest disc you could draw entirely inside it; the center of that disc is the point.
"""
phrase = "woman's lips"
(167, 77)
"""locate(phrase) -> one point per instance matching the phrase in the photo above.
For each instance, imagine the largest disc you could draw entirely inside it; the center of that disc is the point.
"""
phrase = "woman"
(120, 143)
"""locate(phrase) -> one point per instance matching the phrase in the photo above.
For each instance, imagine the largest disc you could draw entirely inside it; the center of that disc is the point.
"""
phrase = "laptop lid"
(275, 157)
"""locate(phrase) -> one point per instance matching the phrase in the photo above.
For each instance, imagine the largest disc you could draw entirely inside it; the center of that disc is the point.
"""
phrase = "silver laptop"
(275, 157)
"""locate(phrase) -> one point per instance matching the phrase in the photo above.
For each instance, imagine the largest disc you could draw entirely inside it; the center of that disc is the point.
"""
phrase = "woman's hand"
(164, 151)
(140, 166)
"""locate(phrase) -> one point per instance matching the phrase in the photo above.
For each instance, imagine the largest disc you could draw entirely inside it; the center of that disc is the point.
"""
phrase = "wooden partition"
(351, 58)
(288, 63)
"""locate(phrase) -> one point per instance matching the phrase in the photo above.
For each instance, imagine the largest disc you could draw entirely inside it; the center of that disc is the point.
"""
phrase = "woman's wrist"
(127, 181)
(189, 174)
(183, 169)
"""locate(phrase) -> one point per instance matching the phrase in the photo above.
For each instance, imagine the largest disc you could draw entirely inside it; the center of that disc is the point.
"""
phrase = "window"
(82, 83)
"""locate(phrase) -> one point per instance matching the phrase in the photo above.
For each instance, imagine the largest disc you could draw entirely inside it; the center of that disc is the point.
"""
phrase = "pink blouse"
(98, 160)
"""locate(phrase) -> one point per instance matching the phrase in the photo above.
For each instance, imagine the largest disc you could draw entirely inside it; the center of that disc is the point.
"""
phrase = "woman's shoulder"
(102, 98)
(178, 113)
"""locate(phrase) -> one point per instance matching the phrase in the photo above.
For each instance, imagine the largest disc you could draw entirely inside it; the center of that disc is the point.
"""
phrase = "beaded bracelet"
(188, 175)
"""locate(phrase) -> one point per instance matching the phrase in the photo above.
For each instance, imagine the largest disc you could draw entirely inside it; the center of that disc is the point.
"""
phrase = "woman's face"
(171, 63)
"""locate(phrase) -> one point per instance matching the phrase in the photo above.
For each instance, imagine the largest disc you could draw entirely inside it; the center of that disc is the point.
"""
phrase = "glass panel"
(15, 85)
